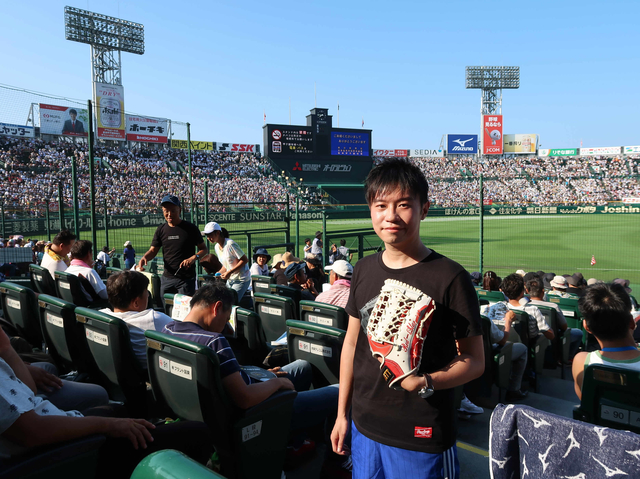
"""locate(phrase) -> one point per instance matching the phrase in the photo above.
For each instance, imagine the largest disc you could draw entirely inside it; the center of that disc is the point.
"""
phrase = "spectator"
(55, 256)
(307, 247)
(129, 255)
(105, 255)
(315, 273)
(559, 288)
(340, 280)
(280, 276)
(260, 260)
(82, 265)
(316, 246)
(297, 279)
(490, 281)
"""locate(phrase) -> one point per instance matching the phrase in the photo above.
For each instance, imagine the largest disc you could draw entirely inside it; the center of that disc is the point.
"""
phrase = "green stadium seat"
(185, 377)
(497, 361)
(42, 281)
(154, 288)
(289, 292)
(249, 327)
(610, 398)
(491, 296)
(570, 310)
(537, 346)
(111, 270)
(117, 369)
(204, 278)
(274, 311)
(20, 309)
(562, 341)
(63, 335)
(263, 284)
(323, 314)
(69, 288)
(320, 345)
(77, 459)
(171, 464)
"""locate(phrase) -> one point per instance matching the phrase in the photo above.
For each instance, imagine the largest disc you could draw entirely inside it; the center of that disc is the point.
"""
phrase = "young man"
(606, 309)
(82, 265)
(55, 256)
(413, 428)
(177, 238)
(296, 274)
(129, 296)
(340, 280)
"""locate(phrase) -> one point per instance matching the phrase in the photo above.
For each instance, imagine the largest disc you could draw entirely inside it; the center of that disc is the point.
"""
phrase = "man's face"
(171, 213)
(73, 116)
(65, 248)
(221, 318)
(332, 277)
(396, 217)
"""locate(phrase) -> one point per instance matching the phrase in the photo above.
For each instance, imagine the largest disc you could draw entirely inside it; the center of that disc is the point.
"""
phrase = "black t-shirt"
(401, 418)
(177, 243)
(304, 294)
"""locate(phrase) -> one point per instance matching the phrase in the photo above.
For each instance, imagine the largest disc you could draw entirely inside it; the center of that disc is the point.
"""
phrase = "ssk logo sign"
(237, 147)
(424, 432)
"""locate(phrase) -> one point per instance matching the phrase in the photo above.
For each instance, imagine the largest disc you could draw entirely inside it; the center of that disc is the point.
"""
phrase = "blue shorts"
(372, 460)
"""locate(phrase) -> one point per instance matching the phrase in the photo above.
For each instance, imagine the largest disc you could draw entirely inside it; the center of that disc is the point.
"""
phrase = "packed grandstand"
(131, 178)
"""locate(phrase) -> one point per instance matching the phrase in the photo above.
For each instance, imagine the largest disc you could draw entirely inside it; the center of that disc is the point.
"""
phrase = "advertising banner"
(629, 150)
(146, 129)
(109, 100)
(63, 120)
(195, 145)
(8, 129)
(492, 134)
(239, 147)
(462, 144)
(391, 153)
(607, 150)
(558, 152)
(426, 152)
(524, 143)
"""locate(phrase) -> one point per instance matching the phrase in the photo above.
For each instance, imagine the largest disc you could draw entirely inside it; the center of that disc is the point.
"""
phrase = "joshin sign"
(109, 100)
(492, 134)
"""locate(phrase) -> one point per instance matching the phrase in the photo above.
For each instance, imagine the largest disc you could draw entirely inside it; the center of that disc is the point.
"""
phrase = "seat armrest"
(276, 399)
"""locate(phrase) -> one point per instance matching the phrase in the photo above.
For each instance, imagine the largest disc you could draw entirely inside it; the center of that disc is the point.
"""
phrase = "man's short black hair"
(81, 248)
(73, 112)
(343, 242)
(606, 309)
(512, 286)
(125, 286)
(210, 294)
(64, 237)
(396, 174)
(535, 287)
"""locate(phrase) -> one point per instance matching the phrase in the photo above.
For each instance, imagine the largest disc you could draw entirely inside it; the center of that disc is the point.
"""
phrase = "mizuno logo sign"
(462, 142)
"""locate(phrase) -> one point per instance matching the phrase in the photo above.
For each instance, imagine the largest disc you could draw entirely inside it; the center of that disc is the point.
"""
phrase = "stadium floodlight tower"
(108, 36)
(491, 80)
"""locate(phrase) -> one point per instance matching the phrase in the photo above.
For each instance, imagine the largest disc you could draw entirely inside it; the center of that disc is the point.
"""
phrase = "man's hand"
(5, 343)
(310, 286)
(44, 380)
(284, 383)
(142, 263)
(509, 317)
(338, 435)
(136, 430)
(225, 275)
(186, 264)
(278, 371)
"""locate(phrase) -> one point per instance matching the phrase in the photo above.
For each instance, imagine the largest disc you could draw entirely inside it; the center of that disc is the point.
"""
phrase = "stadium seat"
(77, 459)
(318, 344)
(171, 464)
(570, 310)
(324, 314)
(155, 300)
(20, 309)
(537, 346)
(249, 327)
(69, 288)
(562, 341)
(185, 377)
(610, 398)
(274, 311)
(263, 284)
(497, 361)
(292, 293)
(117, 369)
(491, 296)
(204, 278)
(42, 281)
(111, 270)
(63, 335)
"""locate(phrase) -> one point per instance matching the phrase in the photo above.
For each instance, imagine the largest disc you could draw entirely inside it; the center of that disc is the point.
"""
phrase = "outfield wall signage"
(492, 135)
(496, 210)
(391, 153)
(63, 120)
(238, 147)
(195, 145)
(109, 100)
(462, 144)
(426, 152)
(558, 152)
(609, 150)
(628, 150)
(526, 143)
(8, 129)
(146, 129)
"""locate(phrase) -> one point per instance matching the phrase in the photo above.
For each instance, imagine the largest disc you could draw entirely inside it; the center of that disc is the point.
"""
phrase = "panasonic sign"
(462, 144)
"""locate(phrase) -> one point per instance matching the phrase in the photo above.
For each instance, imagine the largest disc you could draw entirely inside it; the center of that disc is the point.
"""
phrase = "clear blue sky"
(399, 65)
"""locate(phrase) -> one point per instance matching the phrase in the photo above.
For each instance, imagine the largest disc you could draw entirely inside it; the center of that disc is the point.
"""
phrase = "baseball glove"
(397, 328)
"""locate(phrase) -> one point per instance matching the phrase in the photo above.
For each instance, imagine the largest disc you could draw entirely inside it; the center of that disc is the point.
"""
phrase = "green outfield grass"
(559, 244)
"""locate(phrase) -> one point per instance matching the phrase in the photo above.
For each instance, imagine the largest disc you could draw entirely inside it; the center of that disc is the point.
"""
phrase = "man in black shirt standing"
(177, 238)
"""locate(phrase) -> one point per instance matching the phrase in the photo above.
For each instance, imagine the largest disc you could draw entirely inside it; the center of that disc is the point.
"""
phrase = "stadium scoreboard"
(319, 153)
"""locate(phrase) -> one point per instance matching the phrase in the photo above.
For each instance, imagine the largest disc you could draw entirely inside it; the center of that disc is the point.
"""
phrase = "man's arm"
(467, 366)
(13, 360)
(148, 256)
(577, 369)
(202, 251)
(341, 427)
(248, 395)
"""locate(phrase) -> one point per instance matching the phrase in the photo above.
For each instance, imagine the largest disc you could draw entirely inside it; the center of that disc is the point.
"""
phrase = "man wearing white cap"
(177, 238)
(340, 279)
(559, 288)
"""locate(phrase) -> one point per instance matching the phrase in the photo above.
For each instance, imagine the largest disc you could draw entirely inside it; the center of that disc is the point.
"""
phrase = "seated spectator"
(476, 277)
(129, 297)
(296, 274)
(315, 273)
(287, 260)
(260, 260)
(340, 280)
(81, 265)
(559, 288)
(490, 281)
(606, 309)
(518, 357)
(29, 422)
(574, 285)
(534, 289)
(276, 264)
(55, 256)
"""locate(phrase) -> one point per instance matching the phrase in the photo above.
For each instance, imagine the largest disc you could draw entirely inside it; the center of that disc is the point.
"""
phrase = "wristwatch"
(427, 391)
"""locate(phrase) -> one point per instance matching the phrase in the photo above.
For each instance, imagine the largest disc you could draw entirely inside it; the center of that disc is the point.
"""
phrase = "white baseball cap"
(341, 267)
(127, 243)
(211, 227)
